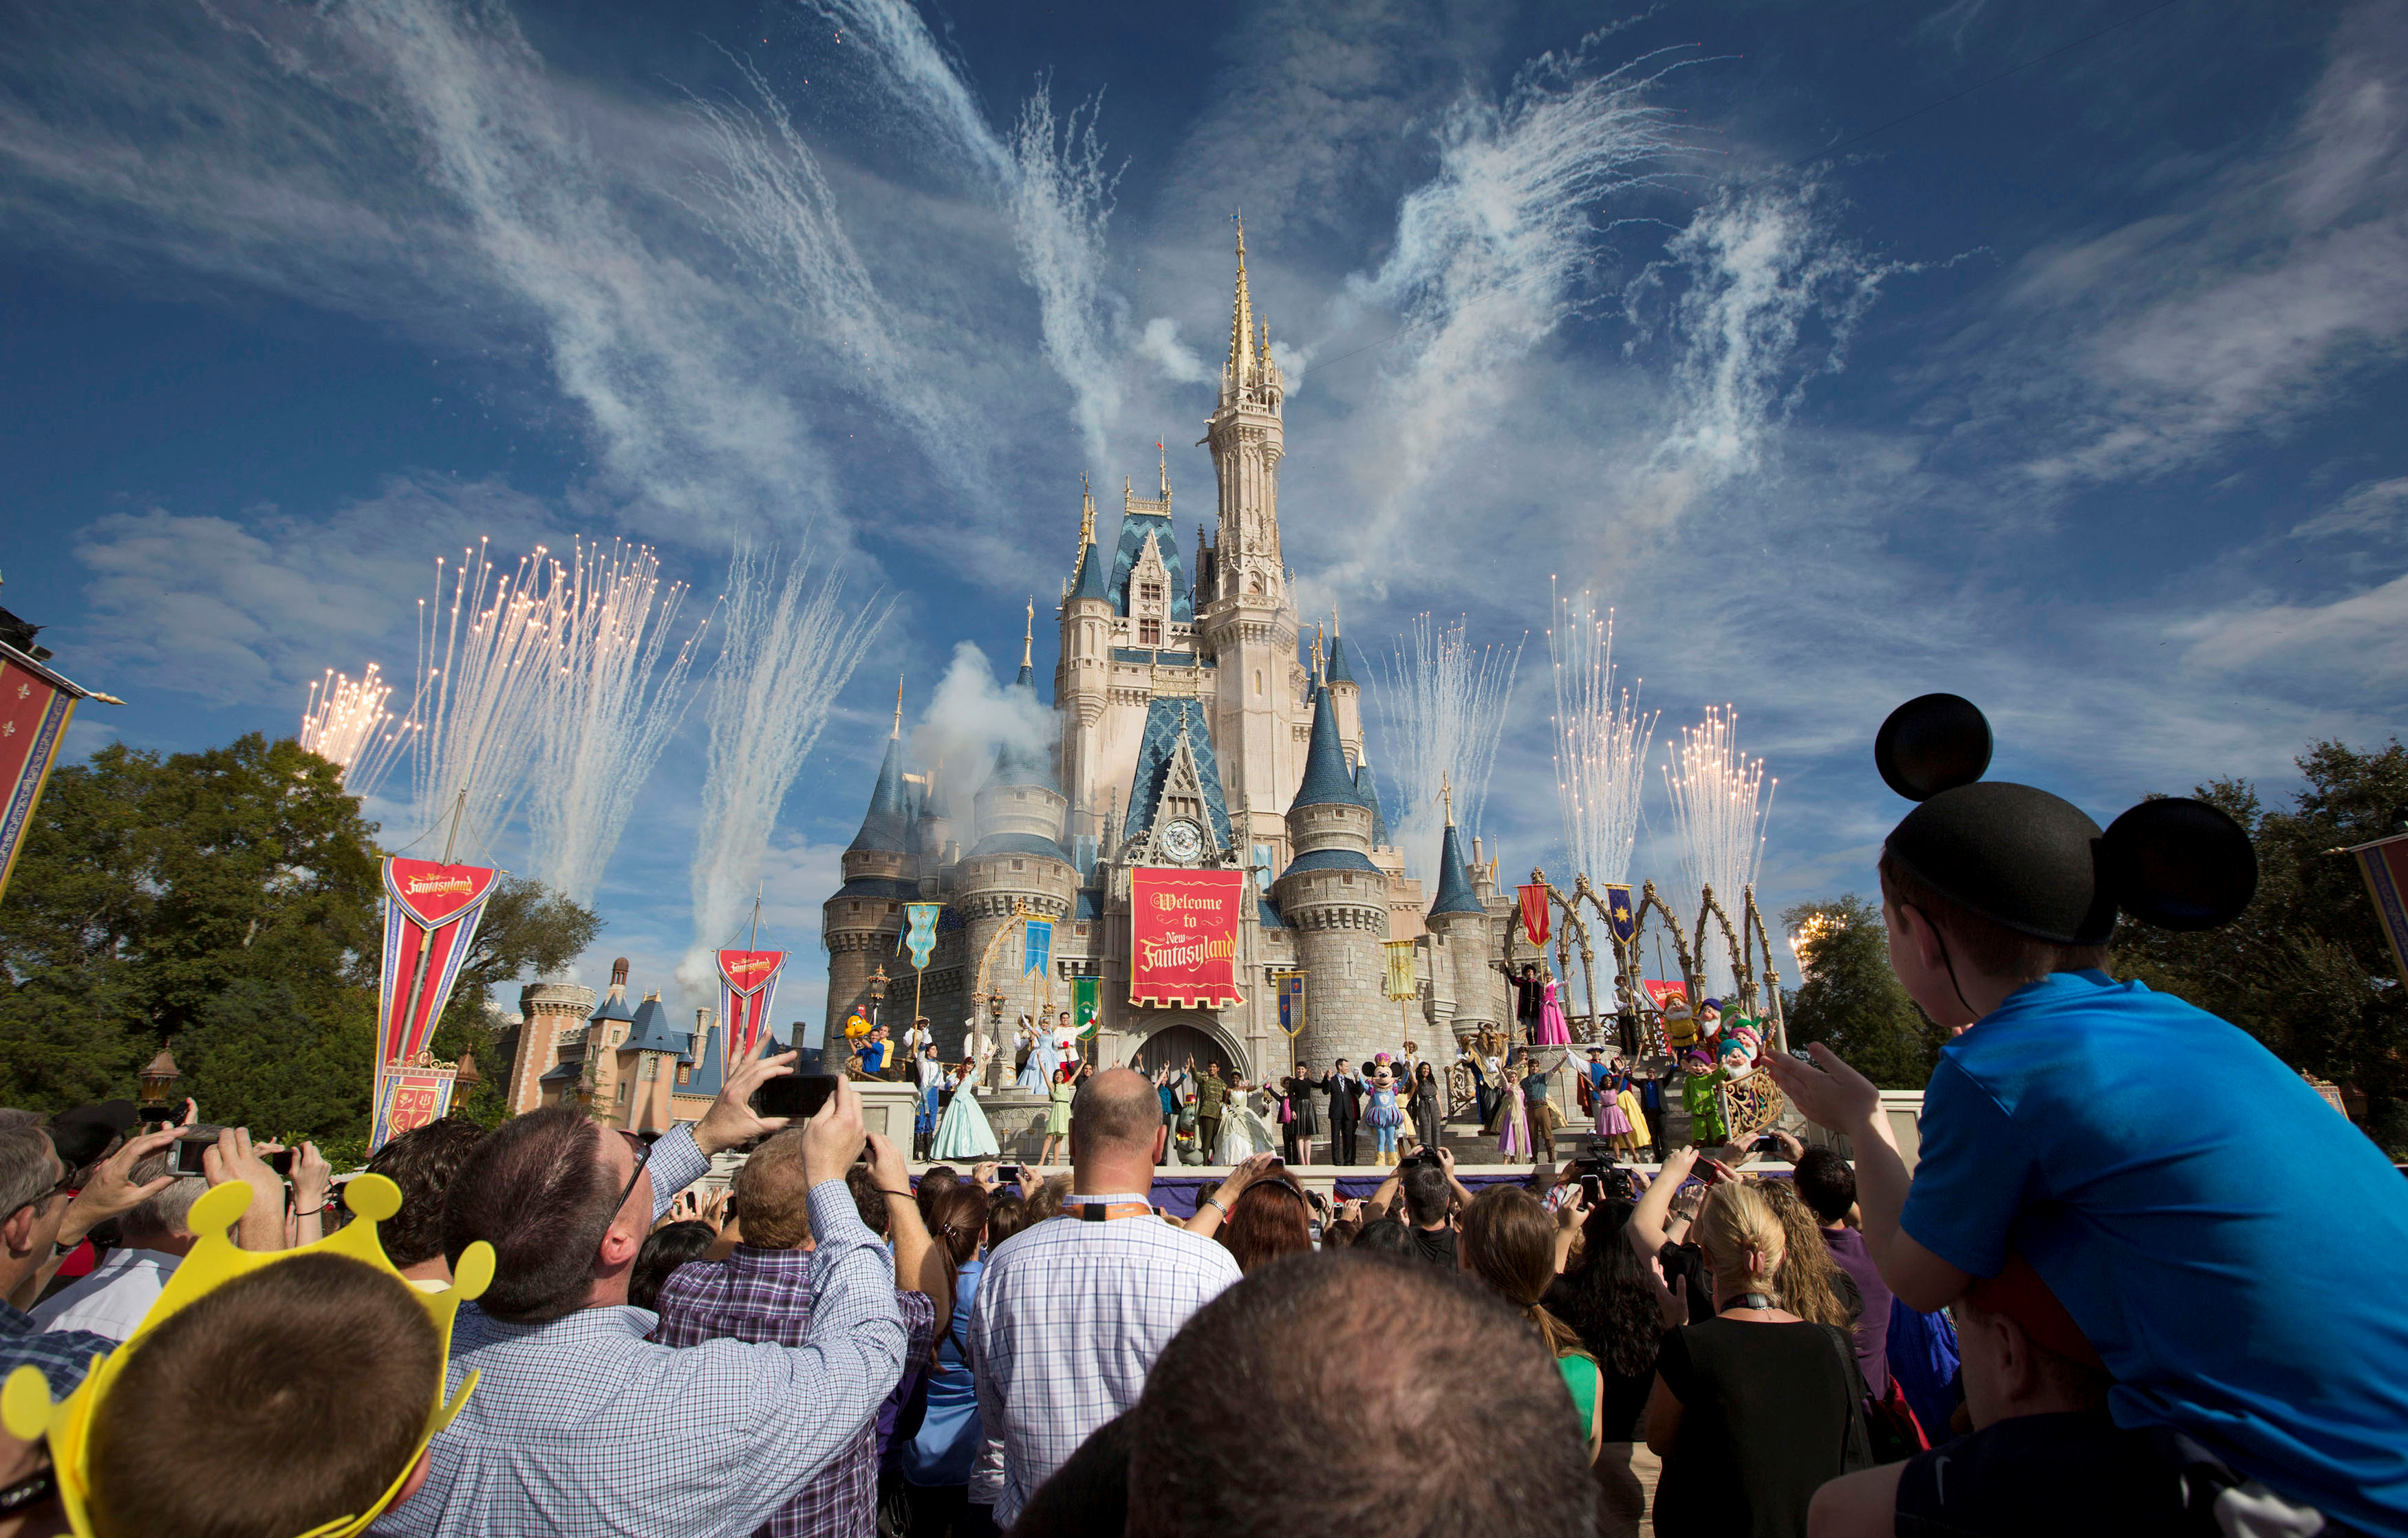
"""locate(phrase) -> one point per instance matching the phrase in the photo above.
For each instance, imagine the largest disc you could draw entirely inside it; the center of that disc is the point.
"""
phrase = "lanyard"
(1104, 1212)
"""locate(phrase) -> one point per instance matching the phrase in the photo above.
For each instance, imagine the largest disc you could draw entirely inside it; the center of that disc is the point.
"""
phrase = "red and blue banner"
(431, 911)
(35, 705)
(2384, 865)
(748, 980)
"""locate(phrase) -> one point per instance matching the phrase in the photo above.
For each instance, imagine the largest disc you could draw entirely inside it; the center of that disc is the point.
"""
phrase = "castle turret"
(859, 924)
(1082, 675)
(1459, 919)
(1336, 900)
(548, 1012)
(1346, 694)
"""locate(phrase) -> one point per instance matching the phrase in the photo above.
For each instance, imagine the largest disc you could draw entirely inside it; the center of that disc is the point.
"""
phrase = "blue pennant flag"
(920, 933)
(1621, 913)
(1039, 948)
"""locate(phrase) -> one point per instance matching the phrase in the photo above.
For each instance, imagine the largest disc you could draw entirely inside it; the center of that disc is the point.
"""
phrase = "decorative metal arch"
(1573, 927)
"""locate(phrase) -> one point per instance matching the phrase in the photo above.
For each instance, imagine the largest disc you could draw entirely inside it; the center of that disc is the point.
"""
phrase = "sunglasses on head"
(643, 1151)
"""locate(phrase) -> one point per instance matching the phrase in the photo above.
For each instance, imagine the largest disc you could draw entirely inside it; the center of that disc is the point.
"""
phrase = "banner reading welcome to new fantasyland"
(748, 981)
(1184, 937)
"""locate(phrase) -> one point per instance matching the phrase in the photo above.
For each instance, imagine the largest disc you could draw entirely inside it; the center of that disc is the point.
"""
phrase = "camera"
(793, 1095)
(190, 1147)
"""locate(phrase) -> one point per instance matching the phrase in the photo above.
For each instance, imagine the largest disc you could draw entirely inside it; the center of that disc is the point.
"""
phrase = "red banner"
(1184, 936)
(747, 979)
(2384, 865)
(1662, 992)
(1534, 912)
(430, 916)
(35, 709)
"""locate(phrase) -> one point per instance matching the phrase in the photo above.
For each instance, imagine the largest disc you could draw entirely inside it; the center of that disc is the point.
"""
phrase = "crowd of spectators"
(831, 1348)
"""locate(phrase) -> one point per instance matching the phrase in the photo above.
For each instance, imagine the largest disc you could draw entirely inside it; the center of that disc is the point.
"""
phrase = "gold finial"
(1162, 456)
(1446, 795)
(1241, 317)
(1333, 617)
(1086, 514)
(1028, 634)
(898, 705)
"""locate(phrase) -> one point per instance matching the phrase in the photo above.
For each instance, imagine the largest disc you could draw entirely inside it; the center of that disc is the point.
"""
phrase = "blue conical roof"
(1337, 670)
(1454, 894)
(888, 821)
(1328, 782)
(654, 1033)
(1092, 580)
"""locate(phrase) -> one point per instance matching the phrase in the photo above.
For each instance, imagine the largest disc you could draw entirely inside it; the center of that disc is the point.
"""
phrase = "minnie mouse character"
(1384, 1115)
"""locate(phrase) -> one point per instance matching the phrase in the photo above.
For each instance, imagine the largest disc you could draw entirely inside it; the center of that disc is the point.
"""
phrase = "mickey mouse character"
(2092, 1183)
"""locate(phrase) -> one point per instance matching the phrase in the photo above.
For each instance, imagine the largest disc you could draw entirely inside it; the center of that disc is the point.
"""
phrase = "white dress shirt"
(112, 1300)
(1069, 1317)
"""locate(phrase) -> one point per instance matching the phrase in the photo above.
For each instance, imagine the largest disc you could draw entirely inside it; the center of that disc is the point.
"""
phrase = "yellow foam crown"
(215, 1260)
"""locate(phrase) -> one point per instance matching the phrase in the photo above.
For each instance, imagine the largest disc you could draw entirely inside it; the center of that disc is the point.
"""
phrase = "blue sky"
(2079, 395)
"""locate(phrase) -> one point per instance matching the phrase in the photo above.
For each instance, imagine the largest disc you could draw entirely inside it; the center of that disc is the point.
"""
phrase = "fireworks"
(1720, 802)
(346, 722)
(1809, 935)
(609, 710)
(787, 649)
(1601, 743)
(1445, 701)
(485, 663)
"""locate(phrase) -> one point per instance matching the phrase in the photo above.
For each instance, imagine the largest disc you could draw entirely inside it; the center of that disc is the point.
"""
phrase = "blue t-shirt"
(2228, 1241)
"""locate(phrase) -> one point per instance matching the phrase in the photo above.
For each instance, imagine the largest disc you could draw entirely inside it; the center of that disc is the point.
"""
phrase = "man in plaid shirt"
(580, 1425)
(762, 1291)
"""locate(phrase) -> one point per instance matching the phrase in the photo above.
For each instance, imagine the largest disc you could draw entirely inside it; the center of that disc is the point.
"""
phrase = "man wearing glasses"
(581, 1423)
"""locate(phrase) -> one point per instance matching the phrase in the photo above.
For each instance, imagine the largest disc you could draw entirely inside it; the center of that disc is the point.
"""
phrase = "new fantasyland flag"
(920, 930)
(431, 911)
(1038, 949)
(748, 980)
(1621, 913)
(1534, 912)
(2384, 865)
(1401, 983)
(35, 705)
(1184, 936)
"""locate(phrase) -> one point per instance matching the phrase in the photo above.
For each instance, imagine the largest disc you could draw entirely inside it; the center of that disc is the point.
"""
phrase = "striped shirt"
(1069, 1317)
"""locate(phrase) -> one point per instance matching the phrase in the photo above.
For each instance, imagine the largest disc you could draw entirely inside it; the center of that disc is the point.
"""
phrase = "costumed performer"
(1057, 1115)
(1605, 1100)
(1513, 1134)
(977, 1048)
(1709, 1023)
(929, 1075)
(857, 1035)
(963, 1135)
(1429, 1107)
(1036, 1077)
(1680, 1025)
(1384, 1115)
(917, 1035)
(1706, 1129)
(1243, 1131)
(873, 1053)
(1634, 1109)
(1554, 1029)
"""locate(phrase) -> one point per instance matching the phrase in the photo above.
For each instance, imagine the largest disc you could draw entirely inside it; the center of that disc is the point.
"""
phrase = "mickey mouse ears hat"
(2034, 861)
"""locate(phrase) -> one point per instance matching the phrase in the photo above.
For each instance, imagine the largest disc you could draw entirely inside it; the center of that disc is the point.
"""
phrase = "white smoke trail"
(1601, 743)
(609, 712)
(786, 651)
(346, 722)
(1050, 178)
(1720, 804)
(1059, 205)
(767, 198)
(1443, 700)
(1494, 251)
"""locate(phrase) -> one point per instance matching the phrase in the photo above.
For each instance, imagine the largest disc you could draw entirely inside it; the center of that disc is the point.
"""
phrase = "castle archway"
(1182, 1036)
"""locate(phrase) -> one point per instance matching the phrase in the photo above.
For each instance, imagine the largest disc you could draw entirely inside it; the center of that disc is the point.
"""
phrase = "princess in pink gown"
(1553, 1030)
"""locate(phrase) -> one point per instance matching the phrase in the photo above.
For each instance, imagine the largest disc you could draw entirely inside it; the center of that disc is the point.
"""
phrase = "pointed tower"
(1344, 693)
(1336, 900)
(1466, 931)
(859, 924)
(1083, 674)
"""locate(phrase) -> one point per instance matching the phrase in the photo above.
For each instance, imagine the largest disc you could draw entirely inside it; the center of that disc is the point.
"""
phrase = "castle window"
(1019, 865)
(1258, 680)
(855, 906)
(892, 907)
(685, 1074)
(1346, 877)
(622, 1091)
(1149, 632)
(1150, 593)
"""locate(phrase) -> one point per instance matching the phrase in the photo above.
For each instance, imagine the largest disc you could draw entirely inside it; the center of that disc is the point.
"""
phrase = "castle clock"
(1182, 840)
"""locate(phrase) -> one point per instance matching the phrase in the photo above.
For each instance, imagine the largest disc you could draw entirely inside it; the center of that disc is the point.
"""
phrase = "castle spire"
(1241, 319)
(1162, 457)
(1086, 514)
(1027, 638)
(898, 733)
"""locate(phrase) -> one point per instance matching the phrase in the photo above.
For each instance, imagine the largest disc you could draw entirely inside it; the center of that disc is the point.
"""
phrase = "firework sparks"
(1720, 802)
(346, 722)
(1601, 743)
(1444, 702)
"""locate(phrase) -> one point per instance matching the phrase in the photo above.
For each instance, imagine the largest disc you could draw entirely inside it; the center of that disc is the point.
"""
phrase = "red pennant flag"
(431, 912)
(747, 979)
(1534, 912)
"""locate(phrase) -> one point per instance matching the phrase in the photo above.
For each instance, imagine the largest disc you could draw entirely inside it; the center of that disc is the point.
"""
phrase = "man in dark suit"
(1345, 1093)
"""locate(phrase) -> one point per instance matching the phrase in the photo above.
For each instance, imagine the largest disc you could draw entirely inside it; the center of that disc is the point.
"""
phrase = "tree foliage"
(1850, 1000)
(2306, 968)
(227, 901)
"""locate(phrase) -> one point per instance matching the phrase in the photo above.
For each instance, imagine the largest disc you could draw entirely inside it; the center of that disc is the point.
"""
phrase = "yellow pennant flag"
(1400, 970)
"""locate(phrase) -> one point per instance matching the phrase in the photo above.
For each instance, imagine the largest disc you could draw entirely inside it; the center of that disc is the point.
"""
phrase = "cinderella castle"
(1192, 729)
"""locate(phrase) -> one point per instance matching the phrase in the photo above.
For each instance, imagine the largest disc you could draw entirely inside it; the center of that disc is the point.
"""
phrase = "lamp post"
(158, 1080)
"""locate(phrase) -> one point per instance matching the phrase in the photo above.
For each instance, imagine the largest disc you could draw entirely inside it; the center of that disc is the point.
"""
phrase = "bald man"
(1071, 1312)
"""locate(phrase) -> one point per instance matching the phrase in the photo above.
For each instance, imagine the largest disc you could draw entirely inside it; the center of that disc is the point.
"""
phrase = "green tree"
(2306, 968)
(1850, 1000)
(267, 1056)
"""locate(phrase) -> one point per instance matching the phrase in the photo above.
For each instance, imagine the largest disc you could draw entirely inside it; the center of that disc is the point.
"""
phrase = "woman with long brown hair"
(1509, 1242)
(1268, 1220)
